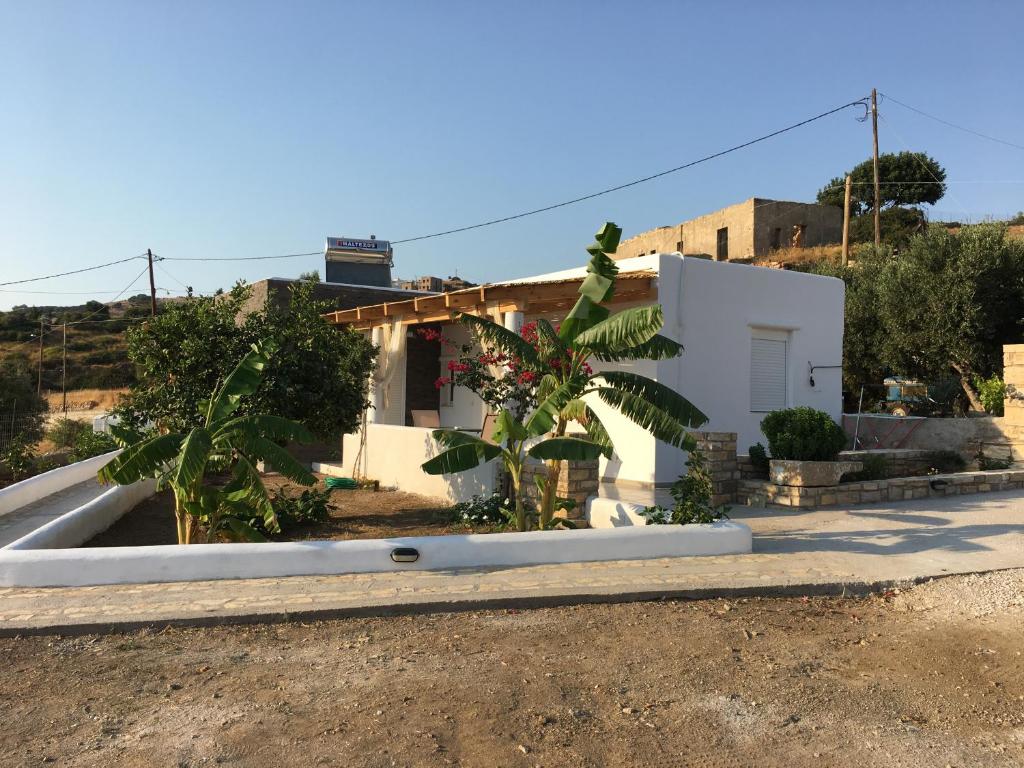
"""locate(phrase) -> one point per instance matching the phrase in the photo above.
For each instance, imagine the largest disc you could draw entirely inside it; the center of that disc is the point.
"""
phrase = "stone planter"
(812, 474)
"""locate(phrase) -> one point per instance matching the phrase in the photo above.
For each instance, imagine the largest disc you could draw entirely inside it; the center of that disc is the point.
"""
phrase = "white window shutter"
(767, 375)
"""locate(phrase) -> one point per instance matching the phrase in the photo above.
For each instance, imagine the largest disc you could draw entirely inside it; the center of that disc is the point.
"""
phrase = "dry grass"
(86, 399)
(803, 255)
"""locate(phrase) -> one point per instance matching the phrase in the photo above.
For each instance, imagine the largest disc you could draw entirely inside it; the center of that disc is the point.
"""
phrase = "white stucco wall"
(393, 454)
(714, 309)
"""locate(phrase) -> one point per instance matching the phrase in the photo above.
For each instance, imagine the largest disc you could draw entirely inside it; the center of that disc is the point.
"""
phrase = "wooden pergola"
(534, 297)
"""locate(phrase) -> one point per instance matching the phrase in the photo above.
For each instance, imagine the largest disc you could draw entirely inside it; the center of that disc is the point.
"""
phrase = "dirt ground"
(929, 677)
(358, 514)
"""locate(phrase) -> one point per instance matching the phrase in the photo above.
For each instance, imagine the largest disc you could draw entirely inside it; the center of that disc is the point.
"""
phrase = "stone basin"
(811, 474)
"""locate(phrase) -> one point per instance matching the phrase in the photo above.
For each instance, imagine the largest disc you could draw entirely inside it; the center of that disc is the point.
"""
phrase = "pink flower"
(442, 381)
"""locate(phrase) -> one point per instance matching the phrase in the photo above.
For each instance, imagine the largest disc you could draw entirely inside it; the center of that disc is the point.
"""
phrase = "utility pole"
(874, 131)
(64, 372)
(152, 285)
(39, 381)
(846, 224)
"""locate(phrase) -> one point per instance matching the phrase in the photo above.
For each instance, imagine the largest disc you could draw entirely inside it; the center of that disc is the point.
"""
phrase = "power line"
(119, 294)
(951, 125)
(72, 272)
(157, 264)
(635, 182)
(240, 258)
(921, 162)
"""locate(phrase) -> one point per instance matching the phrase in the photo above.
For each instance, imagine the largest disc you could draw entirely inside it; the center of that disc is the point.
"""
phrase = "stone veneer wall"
(578, 480)
(719, 449)
(761, 493)
(900, 462)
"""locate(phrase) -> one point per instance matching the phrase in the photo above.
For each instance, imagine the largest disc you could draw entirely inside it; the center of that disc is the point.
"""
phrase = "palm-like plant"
(224, 443)
(589, 331)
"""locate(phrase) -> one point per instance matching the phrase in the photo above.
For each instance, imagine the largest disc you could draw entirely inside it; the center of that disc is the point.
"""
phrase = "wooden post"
(152, 285)
(39, 382)
(846, 224)
(64, 372)
(874, 132)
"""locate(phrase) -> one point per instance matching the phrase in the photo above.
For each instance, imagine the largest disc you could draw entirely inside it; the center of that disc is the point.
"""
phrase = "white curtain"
(391, 340)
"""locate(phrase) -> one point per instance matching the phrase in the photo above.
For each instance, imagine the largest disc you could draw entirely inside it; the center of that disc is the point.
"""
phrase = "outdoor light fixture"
(811, 369)
(405, 555)
(938, 485)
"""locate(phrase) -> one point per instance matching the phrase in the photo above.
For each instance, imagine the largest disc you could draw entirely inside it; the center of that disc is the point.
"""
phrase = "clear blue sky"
(247, 128)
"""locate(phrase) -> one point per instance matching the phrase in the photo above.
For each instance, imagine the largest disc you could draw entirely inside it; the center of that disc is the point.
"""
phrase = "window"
(776, 238)
(722, 253)
(679, 246)
(767, 374)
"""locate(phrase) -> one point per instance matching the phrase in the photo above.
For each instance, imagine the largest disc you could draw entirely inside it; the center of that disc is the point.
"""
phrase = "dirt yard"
(929, 677)
(358, 514)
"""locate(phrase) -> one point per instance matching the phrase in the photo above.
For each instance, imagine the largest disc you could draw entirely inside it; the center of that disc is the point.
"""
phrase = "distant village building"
(751, 229)
(435, 284)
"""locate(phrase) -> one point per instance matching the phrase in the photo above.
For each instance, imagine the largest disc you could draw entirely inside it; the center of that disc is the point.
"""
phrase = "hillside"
(96, 352)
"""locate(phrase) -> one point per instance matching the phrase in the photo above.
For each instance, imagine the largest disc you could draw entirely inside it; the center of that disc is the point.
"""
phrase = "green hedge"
(803, 434)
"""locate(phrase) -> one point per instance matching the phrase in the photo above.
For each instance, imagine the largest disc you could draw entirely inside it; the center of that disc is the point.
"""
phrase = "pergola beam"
(519, 297)
(536, 298)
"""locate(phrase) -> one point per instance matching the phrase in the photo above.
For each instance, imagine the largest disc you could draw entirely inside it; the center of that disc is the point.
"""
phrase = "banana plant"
(225, 444)
(511, 438)
(590, 331)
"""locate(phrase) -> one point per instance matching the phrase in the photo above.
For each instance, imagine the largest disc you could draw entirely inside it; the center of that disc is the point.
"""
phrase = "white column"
(513, 321)
(376, 388)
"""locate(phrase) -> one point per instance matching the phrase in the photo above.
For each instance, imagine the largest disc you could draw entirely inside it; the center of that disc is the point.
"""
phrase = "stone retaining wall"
(761, 493)
(578, 480)
(900, 462)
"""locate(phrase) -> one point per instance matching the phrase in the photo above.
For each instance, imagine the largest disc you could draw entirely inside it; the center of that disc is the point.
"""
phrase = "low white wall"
(35, 488)
(613, 513)
(82, 523)
(201, 562)
(393, 455)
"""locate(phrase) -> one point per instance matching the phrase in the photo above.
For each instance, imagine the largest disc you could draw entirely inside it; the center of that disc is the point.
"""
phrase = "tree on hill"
(905, 179)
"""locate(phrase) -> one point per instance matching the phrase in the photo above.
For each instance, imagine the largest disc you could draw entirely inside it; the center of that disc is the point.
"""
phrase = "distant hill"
(96, 349)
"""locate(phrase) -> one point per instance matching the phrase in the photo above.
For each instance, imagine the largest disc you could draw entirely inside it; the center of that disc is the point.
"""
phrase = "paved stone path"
(794, 552)
(23, 521)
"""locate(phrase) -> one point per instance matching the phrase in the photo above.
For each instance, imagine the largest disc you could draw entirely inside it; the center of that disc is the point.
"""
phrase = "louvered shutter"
(767, 375)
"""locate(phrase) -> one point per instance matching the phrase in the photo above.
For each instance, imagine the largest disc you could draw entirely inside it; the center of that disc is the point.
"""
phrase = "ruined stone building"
(747, 230)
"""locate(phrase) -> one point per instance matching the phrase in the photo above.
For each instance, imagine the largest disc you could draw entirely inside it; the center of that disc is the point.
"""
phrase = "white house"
(755, 340)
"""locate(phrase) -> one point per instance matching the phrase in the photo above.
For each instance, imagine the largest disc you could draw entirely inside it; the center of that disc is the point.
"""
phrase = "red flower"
(441, 381)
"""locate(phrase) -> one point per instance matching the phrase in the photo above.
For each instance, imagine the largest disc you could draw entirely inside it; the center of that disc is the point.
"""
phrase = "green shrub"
(993, 462)
(19, 458)
(64, 432)
(991, 392)
(480, 510)
(944, 462)
(88, 444)
(759, 458)
(691, 495)
(803, 434)
(308, 508)
(876, 467)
